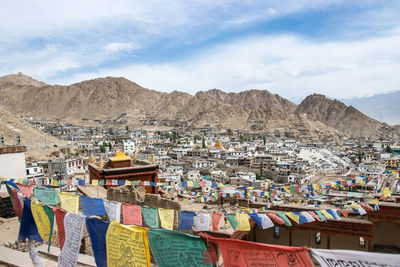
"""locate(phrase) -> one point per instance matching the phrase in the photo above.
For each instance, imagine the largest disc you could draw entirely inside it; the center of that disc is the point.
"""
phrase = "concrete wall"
(12, 165)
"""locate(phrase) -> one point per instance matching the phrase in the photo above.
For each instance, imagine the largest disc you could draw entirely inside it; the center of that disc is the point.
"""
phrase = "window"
(318, 238)
(276, 232)
(361, 242)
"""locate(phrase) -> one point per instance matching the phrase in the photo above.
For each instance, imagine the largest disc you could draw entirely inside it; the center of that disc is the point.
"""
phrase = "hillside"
(383, 107)
(11, 126)
(335, 114)
(20, 79)
(257, 110)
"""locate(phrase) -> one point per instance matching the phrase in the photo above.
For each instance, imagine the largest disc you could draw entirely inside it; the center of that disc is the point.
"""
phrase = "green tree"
(229, 131)
(360, 155)
(127, 128)
(264, 140)
(203, 143)
(102, 148)
(389, 149)
(261, 168)
(109, 146)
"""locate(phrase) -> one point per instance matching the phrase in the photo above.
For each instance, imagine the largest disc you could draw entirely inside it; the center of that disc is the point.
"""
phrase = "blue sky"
(341, 49)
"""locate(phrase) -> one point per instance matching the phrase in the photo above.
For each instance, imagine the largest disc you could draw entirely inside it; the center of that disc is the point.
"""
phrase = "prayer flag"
(150, 216)
(127, 245)
(74, 224)
(60, 214)
(202, 222)
(92, 206)
(215, 218)
(69, 202)
(27, 228)
(113, 210)
(243, 222)
(186, 220)
(166, 218)
(97, 230)
(131, 214)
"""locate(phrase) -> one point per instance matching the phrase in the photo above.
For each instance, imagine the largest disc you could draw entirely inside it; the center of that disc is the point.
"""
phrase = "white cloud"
(288, 65)
(118, 47)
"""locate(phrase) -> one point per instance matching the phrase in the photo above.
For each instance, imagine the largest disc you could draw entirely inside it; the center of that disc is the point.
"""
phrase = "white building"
(12, 162)
(34, 171)
(193, 175)
(129, 147)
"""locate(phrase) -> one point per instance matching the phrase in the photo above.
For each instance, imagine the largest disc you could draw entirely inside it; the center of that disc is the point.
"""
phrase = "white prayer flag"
(265, 221)
(113, 210)
(202, 222)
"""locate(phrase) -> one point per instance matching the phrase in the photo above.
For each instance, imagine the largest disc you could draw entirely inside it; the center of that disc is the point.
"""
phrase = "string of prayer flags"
(127, 245)
(172, 248)
(321, 217)
(293, 216)
(97, 230)
(315, 216)
(166, 218)
(244, 253)
(232, 220)
(131, 214)
(308, 216)
(69, 202)
(326, 214)
(186, 220)
(243, 222)
(113, 210)
(150, 216)
(74, 224)
(276, 218)
(46, 195)
(93, 206)
(60, 214)
(215, 218)
(333, 214)
(28, 228)
(302, 219)
(41, 220)
(202, 221)
(284, 218)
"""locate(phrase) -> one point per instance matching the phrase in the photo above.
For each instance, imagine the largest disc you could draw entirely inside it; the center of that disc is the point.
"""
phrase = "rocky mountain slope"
(11, 126)
(384, 107)
(254, 109)
(335, 114)
(20, 79)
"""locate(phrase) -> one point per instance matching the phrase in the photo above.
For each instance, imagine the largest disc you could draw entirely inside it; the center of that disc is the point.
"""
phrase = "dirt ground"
(9, 230)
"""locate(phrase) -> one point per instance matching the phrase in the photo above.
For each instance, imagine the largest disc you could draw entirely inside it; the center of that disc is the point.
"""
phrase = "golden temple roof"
(120, 157)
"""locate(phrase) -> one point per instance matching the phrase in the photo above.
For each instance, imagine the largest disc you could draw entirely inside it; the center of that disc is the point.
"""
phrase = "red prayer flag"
(215, 218)
(244, 253)
(314, 215)
(275, 217)
(60, 214)
(69, 182)
(108, 182)
(366, 207)
(345, 213)
(17, 203)
(26, 190)
(32, 182)
(131, 214)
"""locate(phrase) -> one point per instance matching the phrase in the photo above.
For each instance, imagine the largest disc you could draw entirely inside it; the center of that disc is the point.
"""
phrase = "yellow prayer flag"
(19, 181)
(69, 202)
(41, 220)
(220, 185)
(190, 183)
(167, 218)
(127, 245)
(374, 201)
(293, 216)
(54, 182)
(355, 206)
(386, 192)
(243, 222)
(326, 214)
(95, 182)
(315, 186)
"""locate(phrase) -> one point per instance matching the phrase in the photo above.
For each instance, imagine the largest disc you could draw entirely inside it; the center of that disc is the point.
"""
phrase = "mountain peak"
(21, 79)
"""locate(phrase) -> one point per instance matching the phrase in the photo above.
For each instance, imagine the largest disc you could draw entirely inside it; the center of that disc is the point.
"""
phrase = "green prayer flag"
(173, 248)
(320, 215)
(232, 220)
(46, 195)
(25, 182)
(50, 215)
(150, 216)
(102, 182)
(284, 218)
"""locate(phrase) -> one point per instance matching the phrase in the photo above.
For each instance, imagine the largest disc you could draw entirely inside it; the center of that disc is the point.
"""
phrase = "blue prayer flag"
(28, 228)
(186, 220)
(81, 182)
(97, 230)
(256, 219)
(92, 206)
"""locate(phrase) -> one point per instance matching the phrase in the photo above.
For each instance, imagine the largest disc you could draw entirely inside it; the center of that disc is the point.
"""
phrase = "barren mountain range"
(257, 110)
